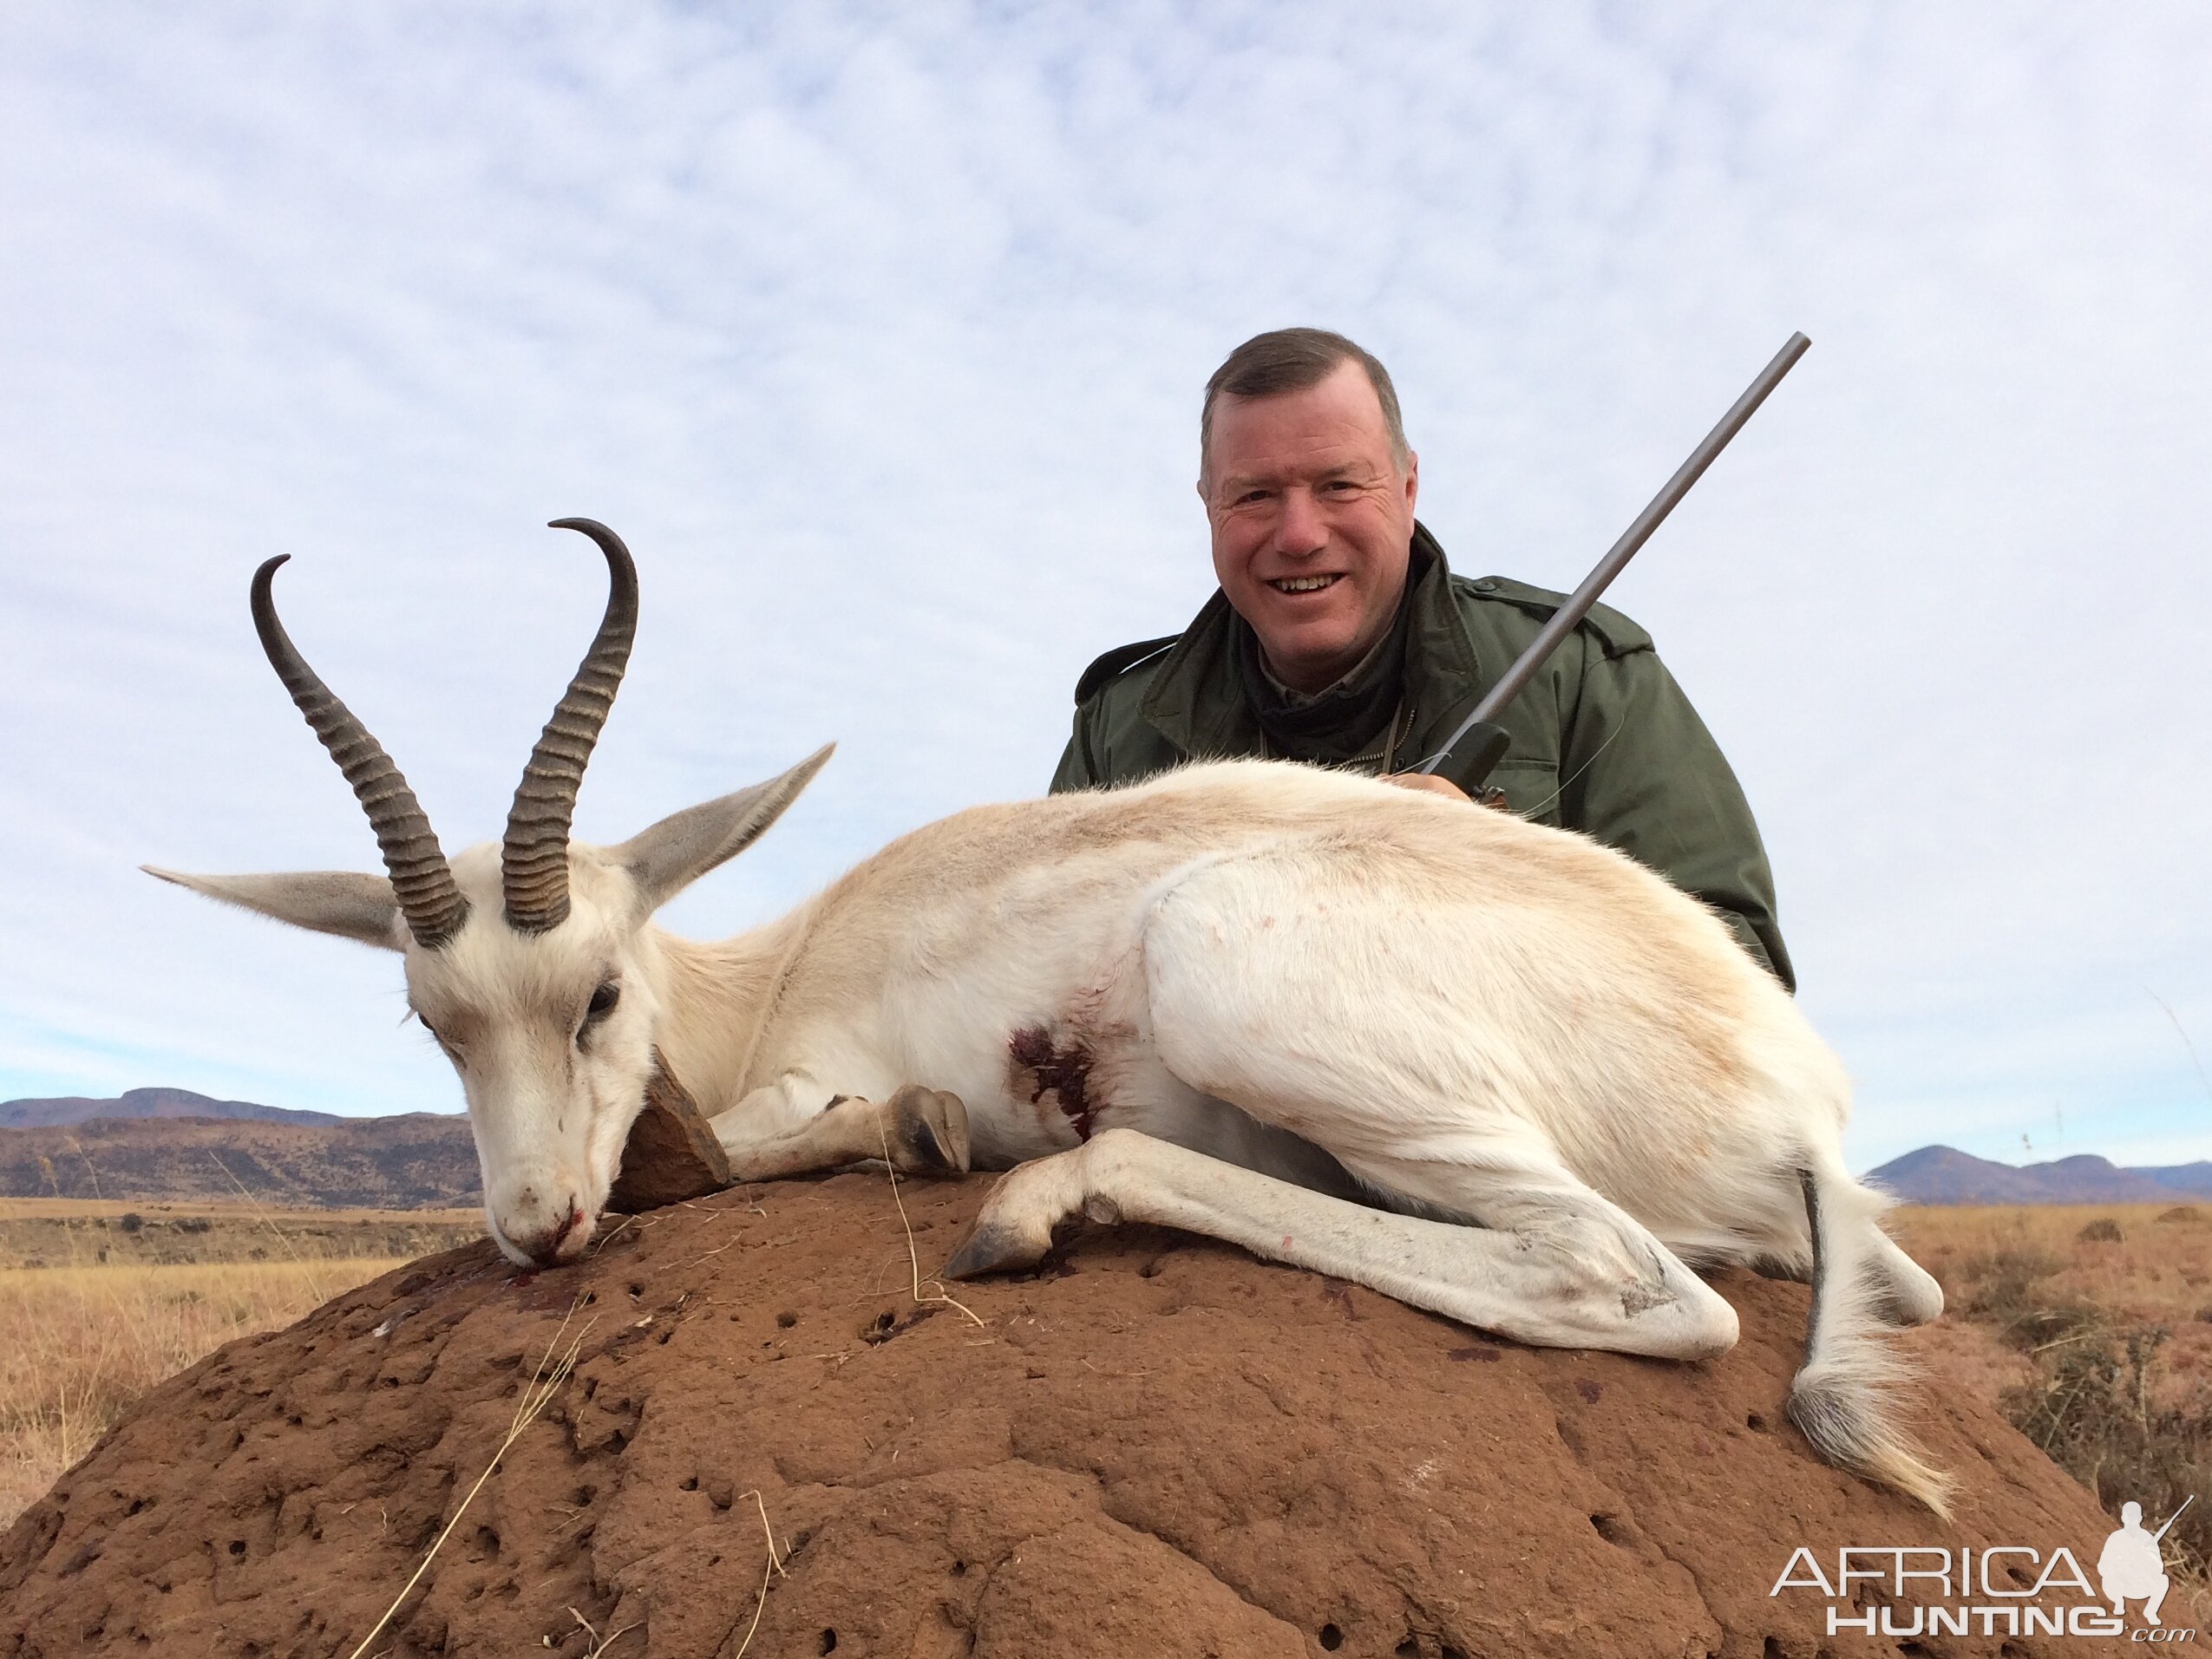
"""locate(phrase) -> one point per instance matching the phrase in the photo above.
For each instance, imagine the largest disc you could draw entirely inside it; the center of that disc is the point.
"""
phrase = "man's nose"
(1300, 531)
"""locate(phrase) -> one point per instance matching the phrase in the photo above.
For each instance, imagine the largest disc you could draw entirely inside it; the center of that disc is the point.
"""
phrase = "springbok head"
(530, 961)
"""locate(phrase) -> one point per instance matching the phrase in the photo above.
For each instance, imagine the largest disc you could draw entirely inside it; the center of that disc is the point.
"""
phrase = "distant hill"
(2184, 1178)
(1945, 1175)
(146, 1103)
(418, 1161)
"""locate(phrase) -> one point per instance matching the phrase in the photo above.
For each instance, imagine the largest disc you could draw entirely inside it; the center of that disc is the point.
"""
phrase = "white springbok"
(1489, 1068)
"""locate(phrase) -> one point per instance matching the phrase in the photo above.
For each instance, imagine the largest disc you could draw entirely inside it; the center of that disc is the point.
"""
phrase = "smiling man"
(1340, 637)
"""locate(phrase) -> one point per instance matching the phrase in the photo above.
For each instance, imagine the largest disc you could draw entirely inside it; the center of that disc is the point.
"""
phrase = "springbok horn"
(421, 879)
(533, 860)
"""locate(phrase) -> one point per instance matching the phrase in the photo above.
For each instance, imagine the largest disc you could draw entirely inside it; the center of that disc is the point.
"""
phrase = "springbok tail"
(1844, 1399)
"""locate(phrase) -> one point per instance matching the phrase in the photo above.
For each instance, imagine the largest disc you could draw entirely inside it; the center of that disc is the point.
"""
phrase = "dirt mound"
(1156, 1446)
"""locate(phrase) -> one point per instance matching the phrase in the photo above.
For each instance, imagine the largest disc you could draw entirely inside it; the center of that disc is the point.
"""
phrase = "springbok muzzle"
(542, 1235)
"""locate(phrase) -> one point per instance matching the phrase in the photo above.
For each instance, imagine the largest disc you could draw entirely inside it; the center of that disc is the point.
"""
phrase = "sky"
(879, 333)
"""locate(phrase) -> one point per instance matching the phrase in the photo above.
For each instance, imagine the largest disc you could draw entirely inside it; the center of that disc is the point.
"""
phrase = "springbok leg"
(1565, 1268)
(923, 1130)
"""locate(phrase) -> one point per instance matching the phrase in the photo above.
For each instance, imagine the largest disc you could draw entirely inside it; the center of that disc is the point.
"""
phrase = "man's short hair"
(1296, 360)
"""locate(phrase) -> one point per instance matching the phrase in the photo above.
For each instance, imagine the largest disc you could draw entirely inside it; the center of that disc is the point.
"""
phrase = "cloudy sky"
(879, 333)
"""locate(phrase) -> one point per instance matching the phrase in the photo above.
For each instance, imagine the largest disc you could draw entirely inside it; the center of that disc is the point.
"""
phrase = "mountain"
(1945, 1175)
(146, 1103)
(2183, 1178)
(417, 1161)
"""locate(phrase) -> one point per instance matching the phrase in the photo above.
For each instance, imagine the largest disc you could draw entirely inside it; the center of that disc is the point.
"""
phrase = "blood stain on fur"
(1064, 1074)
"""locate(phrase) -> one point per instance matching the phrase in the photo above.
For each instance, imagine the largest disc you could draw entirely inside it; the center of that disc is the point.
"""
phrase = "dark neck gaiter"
(1343, 722)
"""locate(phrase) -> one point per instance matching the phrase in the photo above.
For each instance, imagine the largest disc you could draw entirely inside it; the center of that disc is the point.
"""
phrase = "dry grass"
(2042, 1264)
(63, 1232)
(2101, 1315)
(100, 1302)
(2158, 1268)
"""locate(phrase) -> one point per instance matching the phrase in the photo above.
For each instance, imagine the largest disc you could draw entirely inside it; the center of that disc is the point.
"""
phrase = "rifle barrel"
(2171, 1518)
(1565, 619)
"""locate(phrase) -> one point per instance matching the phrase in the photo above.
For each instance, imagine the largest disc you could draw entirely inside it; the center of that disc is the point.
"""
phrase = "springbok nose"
(543, 1246)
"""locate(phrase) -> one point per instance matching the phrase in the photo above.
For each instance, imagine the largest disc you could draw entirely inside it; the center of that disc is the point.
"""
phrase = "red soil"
(1158, 1446)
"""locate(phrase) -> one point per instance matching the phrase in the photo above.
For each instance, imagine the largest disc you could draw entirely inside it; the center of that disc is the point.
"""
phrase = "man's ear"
(675, 852)
(328, 901)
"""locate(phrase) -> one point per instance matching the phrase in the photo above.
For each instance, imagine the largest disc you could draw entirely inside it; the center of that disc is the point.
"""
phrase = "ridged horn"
(421, 880)
(534, 858)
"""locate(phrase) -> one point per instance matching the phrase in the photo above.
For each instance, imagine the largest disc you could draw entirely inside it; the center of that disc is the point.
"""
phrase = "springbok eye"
(602, 1002)
(452, 1048)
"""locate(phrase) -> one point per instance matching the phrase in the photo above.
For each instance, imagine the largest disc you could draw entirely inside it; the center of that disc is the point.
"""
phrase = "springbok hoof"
(930, 1127)
(994, 1247)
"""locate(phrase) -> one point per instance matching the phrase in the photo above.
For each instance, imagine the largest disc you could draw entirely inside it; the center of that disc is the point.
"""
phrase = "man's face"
(1312, 521)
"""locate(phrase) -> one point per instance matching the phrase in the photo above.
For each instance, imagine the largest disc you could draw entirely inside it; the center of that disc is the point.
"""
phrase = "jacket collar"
(1195, 701)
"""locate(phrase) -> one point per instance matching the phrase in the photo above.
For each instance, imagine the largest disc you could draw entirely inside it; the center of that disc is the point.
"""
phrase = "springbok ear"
(675, 852)
(329, 901)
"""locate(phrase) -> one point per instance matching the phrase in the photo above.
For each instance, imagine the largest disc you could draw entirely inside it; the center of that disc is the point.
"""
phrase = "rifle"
(2171, 1518)
(1491, 738)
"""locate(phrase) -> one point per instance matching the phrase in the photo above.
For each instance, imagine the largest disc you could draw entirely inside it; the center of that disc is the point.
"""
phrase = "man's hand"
(1428, 783)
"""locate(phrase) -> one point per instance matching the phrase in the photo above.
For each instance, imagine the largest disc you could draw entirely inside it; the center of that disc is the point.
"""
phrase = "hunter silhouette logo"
(1998, 1590)
(2129, 1565)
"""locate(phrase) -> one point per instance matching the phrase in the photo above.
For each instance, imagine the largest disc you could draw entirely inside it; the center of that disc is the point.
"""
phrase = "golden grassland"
(235, 1211)
(2004, 1268)
(2092, 1326)
(101, 1301)
(63, 1232)
(2157, 1265)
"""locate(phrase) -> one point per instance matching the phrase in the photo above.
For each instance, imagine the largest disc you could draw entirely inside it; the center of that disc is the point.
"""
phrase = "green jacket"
(1603, 740)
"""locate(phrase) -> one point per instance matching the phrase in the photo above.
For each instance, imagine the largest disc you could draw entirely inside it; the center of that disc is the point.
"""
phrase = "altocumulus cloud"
(879, 333)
